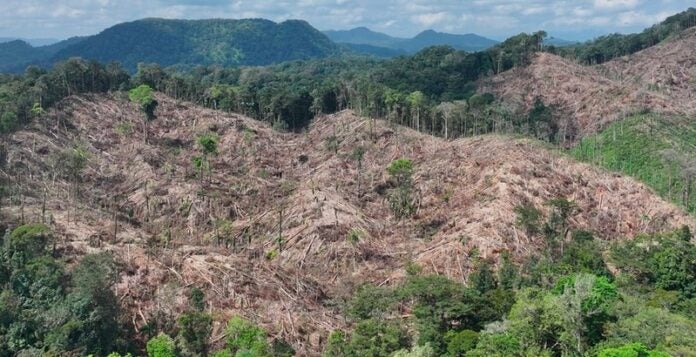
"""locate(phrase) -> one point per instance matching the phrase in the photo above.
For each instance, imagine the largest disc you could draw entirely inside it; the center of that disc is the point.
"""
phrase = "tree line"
(433, 91)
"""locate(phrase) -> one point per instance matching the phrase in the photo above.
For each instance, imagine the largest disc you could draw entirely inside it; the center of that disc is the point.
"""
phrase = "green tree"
(497, 345)
(372, 302)
(197, 299)
(416, 351)
(94, 304)
(144, 97)
(461, 342)
(195, 329)
(372, 338)
(482, 278)
(631, 350)
(25, 243)
(507, 276)
(246, 339)
(416, 100)
(529, 218)
(161, 346)
(336, 345)
(401, 197)
(441, 305)
(208, 146)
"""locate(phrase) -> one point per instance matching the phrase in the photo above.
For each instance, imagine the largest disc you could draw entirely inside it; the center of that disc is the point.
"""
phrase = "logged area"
(277, 225)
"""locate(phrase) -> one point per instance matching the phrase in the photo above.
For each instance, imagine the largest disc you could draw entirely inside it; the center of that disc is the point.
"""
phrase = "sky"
(497, 19)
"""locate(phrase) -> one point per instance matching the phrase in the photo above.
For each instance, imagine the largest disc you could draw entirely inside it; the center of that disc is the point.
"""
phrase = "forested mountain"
(467, 42)
(559, 42)
(16, 55)
(184, 43)
(381, 52)
(36, 42)
(428, 38)
(364, 36)
(203, 42)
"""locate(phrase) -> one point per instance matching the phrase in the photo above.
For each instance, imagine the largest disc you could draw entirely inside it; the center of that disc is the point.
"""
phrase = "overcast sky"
(569, 19)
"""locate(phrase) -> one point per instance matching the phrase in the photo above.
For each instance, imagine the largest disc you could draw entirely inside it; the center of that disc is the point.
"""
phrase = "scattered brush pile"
(282, 227)
(660, 79)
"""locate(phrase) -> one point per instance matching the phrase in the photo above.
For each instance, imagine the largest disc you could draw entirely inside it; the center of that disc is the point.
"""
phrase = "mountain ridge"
(185, 43)
(364, 36)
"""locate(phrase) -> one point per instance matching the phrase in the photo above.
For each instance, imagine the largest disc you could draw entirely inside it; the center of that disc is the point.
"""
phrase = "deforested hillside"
(282, 227)
(668, 68)
(587, 98)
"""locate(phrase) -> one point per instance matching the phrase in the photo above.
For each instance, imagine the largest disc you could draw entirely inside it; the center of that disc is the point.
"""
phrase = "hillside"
(364, 36)
(658, 79)
(657, 149)
(633, 114)
(381, 52)
(16, 55)
(187, 43)
(468, 42)
(176, 229)
(32, 41)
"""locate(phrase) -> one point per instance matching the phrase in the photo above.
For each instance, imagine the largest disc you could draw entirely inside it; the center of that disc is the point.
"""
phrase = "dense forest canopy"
(186, 43)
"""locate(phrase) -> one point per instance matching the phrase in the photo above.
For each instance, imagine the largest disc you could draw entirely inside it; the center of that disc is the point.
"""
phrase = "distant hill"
(16, 55)
(366, 37)
(467, 42)
(559, 42)
(36, 42)
(182, 42)
(382, 52)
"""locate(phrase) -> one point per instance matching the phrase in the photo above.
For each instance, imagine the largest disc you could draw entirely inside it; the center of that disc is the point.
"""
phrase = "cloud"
(616, 4)
(574, 19)
(430, 18)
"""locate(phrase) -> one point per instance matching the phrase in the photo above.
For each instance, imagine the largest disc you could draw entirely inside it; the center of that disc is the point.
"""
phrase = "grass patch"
(636, 147)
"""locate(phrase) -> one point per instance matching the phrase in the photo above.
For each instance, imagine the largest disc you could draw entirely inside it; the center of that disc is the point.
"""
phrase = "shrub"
(631, 350)
(161, 346)
(246, 339)
(529, 218)
(194, 329)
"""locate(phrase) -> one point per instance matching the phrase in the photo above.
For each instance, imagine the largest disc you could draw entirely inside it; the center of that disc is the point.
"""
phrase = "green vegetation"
(608, 47)
(23, 98)
(208, 146)
(143, 96)
(643, 310)
(182, 43)
(161, 346)
(655, 149)
(46, 307)
(401, 200)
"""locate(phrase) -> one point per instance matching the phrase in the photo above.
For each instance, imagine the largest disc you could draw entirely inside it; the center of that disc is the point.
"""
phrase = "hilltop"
(658, 79)
(428, 38)
(170, 220)
(189, 43)
(16, 55)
